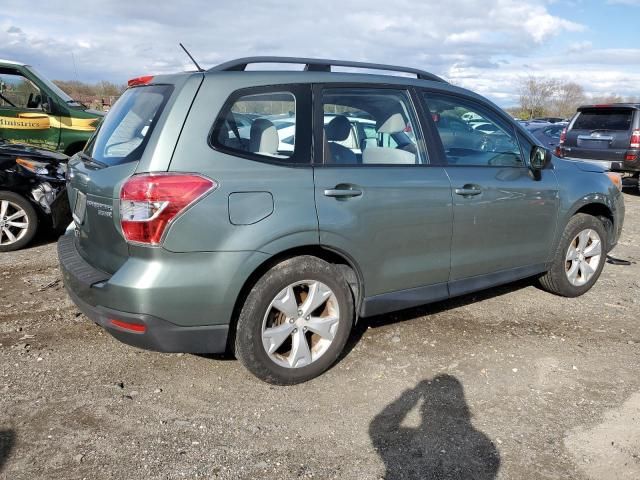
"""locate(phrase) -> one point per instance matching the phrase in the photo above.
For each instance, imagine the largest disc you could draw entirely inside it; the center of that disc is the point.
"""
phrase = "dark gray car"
(608, 133)
(192, 236)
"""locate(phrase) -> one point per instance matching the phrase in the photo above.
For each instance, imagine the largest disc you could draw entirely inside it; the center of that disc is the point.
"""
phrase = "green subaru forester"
(264, 212)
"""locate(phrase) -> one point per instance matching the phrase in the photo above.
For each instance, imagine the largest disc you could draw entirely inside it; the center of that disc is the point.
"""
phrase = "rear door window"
(125, 130)
(604, 119)
(385, 115)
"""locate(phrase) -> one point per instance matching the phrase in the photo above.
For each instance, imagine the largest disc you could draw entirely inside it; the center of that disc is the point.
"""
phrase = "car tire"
(296, 299)
(12, 204)
(576, 267)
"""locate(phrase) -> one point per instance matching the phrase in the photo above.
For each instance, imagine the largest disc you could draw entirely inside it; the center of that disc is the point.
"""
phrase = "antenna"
(198, 67)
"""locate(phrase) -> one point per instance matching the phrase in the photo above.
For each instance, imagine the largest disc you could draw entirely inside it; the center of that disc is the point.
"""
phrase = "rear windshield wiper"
(91, 162)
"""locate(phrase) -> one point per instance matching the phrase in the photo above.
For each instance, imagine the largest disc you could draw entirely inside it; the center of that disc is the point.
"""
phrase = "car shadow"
(430, 309)
(445, 445)
(7, 441)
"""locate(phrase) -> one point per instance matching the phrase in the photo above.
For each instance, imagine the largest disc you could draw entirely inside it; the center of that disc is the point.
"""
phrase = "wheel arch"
(602, 212)
(345, 263)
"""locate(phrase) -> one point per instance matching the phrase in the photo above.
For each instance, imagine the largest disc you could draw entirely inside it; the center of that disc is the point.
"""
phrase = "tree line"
(553, 97)
(100, 95)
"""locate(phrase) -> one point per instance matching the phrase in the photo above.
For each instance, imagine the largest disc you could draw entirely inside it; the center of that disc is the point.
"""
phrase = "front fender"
(582, 190)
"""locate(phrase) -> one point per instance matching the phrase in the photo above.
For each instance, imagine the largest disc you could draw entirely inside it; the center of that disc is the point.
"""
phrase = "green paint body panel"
(511, 224)
(398, 231)
(63, 126)
(407, 236)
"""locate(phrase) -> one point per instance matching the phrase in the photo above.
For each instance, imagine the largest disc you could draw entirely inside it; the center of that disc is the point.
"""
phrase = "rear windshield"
(125, 130)
(604, 119)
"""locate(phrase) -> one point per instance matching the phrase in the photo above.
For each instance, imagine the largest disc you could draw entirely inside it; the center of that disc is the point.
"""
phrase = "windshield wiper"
(91, 162)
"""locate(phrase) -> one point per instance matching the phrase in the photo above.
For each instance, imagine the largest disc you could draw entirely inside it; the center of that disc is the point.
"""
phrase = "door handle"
(468, 190)
(342, 192)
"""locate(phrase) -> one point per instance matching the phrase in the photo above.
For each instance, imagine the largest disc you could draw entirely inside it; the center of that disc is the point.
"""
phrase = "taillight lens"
(563, 136)
(635, 139)
(150, 202)
(144, 80)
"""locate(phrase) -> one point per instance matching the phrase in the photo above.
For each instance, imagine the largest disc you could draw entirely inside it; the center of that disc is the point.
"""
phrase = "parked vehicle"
(549, 119)
(35, 111)
(605, 134)
(547, 134)
(32, 194)
(188, 238)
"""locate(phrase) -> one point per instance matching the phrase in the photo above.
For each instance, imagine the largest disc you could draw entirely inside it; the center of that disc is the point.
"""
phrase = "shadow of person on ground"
(7, 439)
(444, 446)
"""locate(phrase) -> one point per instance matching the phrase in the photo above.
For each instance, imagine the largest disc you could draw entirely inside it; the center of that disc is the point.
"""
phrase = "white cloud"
(481, 45)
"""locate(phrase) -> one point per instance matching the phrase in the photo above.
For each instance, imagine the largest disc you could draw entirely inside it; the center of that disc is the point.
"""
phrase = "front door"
(22, 118)
(505, 215)
(382, 203)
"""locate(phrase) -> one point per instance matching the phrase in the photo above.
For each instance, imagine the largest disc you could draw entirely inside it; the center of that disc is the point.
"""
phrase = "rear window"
(125, 130)
(604, 119)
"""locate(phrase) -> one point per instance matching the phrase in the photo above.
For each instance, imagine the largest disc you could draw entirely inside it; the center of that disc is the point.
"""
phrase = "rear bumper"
(81, 281)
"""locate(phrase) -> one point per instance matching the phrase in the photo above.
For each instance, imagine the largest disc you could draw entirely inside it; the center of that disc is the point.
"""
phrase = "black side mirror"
(540, 158)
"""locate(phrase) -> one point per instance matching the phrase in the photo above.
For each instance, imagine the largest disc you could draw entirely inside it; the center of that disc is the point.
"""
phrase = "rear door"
(110, 158)
(504, 216)
(386, 206)
(600, 133)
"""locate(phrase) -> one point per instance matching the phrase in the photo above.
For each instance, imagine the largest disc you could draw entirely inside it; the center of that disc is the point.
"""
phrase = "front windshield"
(54, 88)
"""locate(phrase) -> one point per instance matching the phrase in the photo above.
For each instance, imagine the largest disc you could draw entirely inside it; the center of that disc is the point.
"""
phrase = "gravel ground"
(513, 383)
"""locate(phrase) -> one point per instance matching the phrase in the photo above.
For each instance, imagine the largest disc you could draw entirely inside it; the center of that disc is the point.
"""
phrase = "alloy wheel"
(300, 324)
(14, 222)
(583, 257)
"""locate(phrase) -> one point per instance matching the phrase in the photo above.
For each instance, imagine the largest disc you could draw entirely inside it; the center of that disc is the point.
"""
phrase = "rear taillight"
(635, 139)
(563, 136)
(150, 202)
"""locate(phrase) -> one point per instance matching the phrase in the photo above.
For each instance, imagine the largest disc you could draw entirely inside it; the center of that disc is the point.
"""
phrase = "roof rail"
(321, 65)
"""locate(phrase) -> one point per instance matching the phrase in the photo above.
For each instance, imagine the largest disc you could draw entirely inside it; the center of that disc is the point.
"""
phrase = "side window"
(17, 91)
(261, 124)
(472, 135)
(369, 126)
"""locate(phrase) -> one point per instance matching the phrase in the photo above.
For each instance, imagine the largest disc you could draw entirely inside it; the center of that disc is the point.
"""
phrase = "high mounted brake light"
(144, 80)
(150, 202)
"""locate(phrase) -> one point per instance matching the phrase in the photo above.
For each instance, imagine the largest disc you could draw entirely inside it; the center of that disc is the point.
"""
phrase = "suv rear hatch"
(96, 175)
(600, 133)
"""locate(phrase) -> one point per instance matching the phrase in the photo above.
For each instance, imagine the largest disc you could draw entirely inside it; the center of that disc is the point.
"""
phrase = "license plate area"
(80, 208)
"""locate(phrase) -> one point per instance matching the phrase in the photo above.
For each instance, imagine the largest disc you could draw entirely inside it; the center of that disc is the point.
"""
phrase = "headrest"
(263, 137)
(394, 124)
(338, 129)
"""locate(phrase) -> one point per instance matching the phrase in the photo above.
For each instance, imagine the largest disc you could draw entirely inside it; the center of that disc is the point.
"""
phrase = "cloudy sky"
(482, 45)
